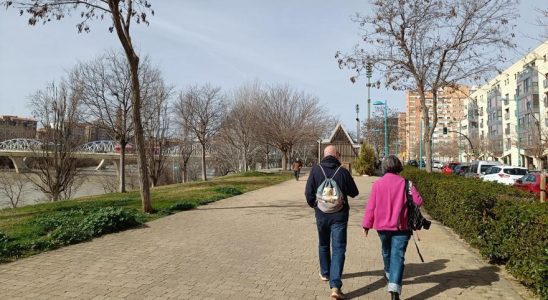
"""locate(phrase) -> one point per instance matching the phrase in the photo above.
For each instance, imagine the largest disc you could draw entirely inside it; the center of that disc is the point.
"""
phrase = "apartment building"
(507, 118)
(402, 150)
(13, 127)
(450, 109)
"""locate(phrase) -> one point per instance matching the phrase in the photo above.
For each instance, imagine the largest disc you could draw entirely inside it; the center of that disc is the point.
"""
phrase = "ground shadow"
(462, 279)
(420, 273)
(251, 206)
(411, 270)
(290, 215)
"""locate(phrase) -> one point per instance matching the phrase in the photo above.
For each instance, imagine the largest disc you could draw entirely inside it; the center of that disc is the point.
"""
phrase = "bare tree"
(106, 87)
(538, 138)
(13, 185)
(373, 131)
(185, 143)
(57, 109)
(542, 21)
(122, 13)
(203, 110)
(448, 150)
(238, 129)
(428, 45)
(157, 121)
(287, 117)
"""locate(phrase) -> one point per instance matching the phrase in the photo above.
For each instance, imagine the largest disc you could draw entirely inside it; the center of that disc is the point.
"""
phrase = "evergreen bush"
(505, 224)
(365, 163)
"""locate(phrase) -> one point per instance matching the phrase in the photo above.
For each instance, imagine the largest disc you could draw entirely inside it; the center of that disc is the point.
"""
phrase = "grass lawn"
(32, 229)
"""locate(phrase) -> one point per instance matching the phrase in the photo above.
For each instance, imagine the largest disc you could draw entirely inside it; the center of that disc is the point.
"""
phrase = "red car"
(530, 183)
(448, 168)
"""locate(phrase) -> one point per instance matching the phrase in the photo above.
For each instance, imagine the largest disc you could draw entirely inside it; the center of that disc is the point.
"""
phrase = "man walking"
(332, 227)
(296, 167)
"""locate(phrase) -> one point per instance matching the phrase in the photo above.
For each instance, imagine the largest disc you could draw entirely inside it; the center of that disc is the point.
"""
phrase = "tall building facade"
(507, 117)
(402, 144)
(14, 127)
(450, 108)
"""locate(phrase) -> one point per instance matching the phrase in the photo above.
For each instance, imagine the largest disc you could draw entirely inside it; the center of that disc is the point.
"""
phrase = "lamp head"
(378, 102)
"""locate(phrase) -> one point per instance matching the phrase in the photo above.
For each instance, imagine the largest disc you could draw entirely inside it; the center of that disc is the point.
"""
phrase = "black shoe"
(394, 296)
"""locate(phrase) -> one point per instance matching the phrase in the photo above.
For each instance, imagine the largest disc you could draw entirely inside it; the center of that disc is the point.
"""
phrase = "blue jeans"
(394, 244)
(332, 230)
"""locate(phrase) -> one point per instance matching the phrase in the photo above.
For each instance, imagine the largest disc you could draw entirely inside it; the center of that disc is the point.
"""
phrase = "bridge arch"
(101, 146)
(20, 145)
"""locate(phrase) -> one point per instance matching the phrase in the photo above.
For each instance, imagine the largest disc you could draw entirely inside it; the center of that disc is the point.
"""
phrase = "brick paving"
(258, 245)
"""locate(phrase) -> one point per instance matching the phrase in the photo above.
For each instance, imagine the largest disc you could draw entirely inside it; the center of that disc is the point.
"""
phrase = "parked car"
(504, 174)
(412, 162)
(448, 168)
(479, 167)
(530, 183)
(437, 164)
(461, 169)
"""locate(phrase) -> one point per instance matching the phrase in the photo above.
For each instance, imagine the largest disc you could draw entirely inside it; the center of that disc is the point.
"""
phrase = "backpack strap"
(322, 171)
(333, 173)
(336, 172)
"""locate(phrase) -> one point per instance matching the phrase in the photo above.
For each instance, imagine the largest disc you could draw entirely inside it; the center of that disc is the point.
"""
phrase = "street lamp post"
(517, 129)
(420, 145)
(368, 73)
(357, 123)
(378, 102)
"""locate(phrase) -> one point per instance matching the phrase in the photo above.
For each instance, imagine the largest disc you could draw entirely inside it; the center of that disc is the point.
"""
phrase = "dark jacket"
(343, 179)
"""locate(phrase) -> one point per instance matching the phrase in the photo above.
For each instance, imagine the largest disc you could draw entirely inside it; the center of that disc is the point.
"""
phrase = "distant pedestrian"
(386, 212)
(296, 167)
(332, 227)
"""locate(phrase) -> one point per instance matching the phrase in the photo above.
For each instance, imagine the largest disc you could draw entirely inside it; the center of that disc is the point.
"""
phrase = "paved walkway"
(258, 245)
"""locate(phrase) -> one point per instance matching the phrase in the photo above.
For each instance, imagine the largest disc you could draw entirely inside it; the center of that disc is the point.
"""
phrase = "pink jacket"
(385, 203)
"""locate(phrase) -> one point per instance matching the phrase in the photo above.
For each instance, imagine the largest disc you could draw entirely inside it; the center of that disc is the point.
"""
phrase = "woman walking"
(386, 212)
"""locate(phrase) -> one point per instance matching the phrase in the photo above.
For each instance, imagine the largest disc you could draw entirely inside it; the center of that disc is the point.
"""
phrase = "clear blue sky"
(225, 43)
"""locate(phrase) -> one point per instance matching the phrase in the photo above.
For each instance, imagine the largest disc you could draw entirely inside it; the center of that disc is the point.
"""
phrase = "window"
(515, 171)
(485, 167)
(530, 178)
(492, 170)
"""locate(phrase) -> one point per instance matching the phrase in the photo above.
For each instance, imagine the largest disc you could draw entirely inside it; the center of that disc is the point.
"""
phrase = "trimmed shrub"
(504, 223)
(365, 163)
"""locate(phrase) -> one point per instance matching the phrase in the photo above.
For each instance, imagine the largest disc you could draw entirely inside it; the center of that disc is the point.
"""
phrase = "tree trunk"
(284, 160)
(184, 172)
(122, 171)
(140, 139)
(124, 36)
(245, 159)
(204, 175)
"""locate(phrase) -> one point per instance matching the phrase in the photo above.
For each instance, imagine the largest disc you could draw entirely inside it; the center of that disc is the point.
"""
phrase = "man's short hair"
(392, 164)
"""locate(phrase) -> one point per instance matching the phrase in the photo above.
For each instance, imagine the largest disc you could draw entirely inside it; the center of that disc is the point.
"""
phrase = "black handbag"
(415, 220)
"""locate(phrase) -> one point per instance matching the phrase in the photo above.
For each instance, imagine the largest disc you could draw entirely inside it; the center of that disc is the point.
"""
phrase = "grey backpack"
(329, 197)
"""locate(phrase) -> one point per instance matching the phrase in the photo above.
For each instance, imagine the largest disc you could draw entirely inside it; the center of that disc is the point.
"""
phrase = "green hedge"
(504, 223)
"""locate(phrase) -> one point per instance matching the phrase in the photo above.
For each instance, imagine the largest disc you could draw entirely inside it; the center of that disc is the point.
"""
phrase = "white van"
(478, 167)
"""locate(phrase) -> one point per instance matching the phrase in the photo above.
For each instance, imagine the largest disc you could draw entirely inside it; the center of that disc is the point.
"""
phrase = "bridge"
(18, 150)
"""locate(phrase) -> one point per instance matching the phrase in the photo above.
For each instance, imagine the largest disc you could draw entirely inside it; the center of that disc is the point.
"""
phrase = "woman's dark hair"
(392, 164)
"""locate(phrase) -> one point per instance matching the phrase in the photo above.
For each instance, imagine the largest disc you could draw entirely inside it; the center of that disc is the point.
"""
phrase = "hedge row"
(504, 223)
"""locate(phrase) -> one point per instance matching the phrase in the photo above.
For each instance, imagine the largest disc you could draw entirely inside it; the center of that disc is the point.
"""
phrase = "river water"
(91, 182)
